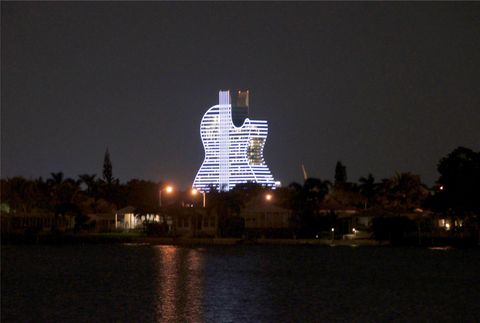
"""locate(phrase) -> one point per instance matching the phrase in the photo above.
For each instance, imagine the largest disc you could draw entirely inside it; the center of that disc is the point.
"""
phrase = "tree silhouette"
(305, 201)
(368, 189)
(111, 188)
(18, 191)
(91, 184)
(143, 194)
(64, 196)
(460, 180)
(107, 169)
(340, 174)
(227, 206)
(402, 192)
(55, 183)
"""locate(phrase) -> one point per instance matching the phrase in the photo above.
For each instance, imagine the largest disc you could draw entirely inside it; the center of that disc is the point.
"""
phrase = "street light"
(268, 197)
(195, 192)
(168, 189)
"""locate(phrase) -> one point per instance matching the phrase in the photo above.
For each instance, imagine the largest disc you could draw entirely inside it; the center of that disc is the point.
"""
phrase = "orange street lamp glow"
(168, 189)
(194, 192)
(268, 197)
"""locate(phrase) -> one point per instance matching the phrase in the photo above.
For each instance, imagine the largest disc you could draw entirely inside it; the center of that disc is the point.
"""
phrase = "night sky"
(383, 87)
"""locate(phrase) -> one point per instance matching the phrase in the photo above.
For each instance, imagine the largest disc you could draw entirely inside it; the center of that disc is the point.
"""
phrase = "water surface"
(143, 283)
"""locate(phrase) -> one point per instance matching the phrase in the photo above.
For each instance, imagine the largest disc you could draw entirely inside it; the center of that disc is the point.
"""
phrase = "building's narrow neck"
(224, 97)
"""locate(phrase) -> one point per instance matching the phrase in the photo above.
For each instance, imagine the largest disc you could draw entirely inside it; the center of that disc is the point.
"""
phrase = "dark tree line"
(313, 203)
(85, 194)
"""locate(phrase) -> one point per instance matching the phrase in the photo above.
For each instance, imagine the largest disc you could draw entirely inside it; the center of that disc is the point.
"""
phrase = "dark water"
(141, 283)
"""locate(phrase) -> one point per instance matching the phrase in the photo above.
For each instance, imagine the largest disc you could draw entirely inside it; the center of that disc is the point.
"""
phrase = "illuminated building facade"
(233, 146)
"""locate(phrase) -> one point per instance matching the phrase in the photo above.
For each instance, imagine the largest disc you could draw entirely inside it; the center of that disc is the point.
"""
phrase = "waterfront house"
(37, 222)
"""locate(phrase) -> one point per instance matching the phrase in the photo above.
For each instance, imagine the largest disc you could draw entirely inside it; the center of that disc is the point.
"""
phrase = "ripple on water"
(144, 283)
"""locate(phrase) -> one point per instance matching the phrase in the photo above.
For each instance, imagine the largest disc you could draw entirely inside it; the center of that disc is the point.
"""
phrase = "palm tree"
(368, 189)
(56, 179)
(402, 192)
(63, 192)
(18, 192)
(91, 183)
(316, 190)
(310, 195)
(42, 194)
(305, 201)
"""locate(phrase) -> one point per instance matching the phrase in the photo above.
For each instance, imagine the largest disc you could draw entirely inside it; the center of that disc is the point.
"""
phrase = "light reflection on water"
(143, 283)
(179, 284)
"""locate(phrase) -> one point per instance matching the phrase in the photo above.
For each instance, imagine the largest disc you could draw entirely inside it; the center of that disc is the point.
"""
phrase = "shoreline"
(136, 238)
(109, 238)
(239, 241)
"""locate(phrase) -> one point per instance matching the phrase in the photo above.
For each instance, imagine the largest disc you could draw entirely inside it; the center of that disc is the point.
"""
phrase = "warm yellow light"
(268, 197)
(333, 229)
(354, 230)
(441, 188)
(169, 189)
(194, 191)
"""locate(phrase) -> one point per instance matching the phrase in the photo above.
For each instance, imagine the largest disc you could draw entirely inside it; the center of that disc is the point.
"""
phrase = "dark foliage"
(392, 228)
(460, 182)
(340, 174)
(107, 168)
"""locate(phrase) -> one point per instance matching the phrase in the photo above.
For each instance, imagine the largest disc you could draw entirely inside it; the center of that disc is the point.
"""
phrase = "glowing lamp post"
(268, 197)
(333, 233)
(168, 189)
(195, 192)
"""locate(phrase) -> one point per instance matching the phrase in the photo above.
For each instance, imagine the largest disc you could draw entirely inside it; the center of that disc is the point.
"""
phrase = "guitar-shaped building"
(233, 146)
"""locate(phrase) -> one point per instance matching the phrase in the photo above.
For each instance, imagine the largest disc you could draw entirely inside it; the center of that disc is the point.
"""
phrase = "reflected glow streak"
(179, 285)
(166, 308)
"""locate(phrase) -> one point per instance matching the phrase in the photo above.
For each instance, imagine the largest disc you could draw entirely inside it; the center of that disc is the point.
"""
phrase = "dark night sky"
(383, 87)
